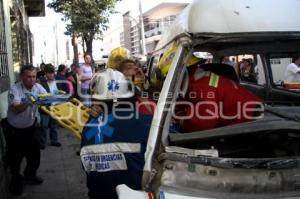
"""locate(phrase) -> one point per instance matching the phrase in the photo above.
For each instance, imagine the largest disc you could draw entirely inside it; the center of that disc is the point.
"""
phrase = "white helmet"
(111, 85)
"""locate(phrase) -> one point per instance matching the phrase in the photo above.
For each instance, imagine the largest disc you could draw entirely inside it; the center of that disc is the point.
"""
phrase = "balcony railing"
(153, 32)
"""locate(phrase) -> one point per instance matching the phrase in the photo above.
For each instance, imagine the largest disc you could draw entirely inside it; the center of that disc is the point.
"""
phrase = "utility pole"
(142, 31)
(45, 50)
(56, 44)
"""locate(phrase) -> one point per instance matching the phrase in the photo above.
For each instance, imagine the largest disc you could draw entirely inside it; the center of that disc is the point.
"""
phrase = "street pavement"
(61, 170)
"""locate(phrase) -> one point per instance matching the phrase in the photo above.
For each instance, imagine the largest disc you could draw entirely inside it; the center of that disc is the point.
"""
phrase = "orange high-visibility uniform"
(217, 101)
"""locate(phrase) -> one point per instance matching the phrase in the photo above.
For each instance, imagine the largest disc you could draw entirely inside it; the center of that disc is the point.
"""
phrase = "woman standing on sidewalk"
(86, 73)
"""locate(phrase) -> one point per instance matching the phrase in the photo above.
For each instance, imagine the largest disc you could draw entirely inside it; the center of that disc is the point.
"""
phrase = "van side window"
(278, 66)
(248, 67)
(153, 69)
(282, 75)
(154, 84)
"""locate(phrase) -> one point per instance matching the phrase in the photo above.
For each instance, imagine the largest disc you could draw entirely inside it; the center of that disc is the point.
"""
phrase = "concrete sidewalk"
(61, 170)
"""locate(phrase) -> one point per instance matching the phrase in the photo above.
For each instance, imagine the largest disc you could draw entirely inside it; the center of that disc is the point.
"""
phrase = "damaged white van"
(256, 159)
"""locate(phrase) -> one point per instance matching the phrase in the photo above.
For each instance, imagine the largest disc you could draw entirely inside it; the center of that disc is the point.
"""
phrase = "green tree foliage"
(85, 18)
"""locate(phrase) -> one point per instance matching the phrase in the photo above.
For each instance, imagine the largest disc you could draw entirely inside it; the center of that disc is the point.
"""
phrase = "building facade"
(15, 50)
(127, 32)
(155, 21)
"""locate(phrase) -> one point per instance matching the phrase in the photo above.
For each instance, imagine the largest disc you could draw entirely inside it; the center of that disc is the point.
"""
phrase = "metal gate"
(4, 72)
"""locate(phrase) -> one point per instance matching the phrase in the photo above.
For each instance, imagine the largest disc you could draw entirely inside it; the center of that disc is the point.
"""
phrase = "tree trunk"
(75, 49)
(83, 45)
(89, 45)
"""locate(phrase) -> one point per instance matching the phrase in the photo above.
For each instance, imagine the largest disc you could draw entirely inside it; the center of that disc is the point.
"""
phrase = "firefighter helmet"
(116, 56)
(192, 60)
(166, 60)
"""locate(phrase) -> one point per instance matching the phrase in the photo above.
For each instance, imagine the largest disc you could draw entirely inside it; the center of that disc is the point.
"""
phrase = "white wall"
(3, 96)
(49, 38)
(3, 105)
(111, 39)
(49, 41)
(278, 70)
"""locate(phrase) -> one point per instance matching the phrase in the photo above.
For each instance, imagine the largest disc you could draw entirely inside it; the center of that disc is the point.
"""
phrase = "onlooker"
(86, 73)
(48, 122)
(41, 73)
(248, 73)
(61, 79)
(23, 140)
(75, 71)
(227, 61)
(73, 68)
(292, 73)
(100, 67)
(70, 82)
(241, 67)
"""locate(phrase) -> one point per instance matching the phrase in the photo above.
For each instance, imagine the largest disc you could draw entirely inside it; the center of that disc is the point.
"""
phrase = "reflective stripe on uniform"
(111, 147)
(214, 80)
(107, 157)
(103, 162)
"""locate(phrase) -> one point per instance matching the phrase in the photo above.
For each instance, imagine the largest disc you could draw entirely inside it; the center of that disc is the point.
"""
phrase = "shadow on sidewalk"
(61, 170)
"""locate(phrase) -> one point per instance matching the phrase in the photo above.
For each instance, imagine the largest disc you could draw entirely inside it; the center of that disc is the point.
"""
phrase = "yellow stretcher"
(72, 115)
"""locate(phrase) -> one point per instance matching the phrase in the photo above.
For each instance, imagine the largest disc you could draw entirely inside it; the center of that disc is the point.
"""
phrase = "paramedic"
(115, 137)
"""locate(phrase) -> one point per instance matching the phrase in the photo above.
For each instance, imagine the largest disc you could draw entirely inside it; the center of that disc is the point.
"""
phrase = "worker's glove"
(27, 100)
(59, 92)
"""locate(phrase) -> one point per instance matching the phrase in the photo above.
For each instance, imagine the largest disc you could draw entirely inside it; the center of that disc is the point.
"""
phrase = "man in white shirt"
(22, 139)
(292, 73)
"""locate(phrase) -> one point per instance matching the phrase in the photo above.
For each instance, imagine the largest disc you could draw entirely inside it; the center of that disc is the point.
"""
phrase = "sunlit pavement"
(61, 170)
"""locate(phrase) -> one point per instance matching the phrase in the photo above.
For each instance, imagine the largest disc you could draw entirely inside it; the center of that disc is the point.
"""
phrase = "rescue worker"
(159, 71)
(120, 57)
(115, 137)
(117, 55)
(132, 71)
(217, 101)
(216, 96)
